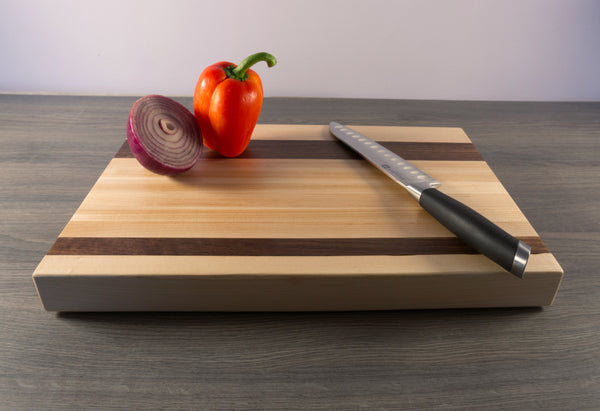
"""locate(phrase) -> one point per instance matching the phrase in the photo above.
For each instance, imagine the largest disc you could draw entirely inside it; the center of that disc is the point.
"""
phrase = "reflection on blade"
(397, 168)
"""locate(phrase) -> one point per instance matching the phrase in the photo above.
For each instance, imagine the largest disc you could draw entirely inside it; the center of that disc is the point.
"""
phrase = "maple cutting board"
(297, 222)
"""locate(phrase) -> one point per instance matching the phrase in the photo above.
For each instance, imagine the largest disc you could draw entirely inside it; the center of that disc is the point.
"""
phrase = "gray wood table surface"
(547, 156)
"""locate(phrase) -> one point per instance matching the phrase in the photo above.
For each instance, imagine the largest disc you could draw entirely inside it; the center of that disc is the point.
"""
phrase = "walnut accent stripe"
(268, 246)
(335, 150)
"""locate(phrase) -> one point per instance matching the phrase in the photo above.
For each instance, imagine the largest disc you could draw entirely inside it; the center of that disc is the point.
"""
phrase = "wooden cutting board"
(298, 222)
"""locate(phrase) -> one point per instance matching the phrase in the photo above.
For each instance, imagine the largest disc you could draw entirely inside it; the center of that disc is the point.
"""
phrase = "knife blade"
(467, 224)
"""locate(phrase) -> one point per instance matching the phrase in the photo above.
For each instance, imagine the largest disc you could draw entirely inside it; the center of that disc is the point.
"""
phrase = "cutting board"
(298, 222)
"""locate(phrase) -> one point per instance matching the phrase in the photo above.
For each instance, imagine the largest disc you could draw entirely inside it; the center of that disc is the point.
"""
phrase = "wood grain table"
(547, 155)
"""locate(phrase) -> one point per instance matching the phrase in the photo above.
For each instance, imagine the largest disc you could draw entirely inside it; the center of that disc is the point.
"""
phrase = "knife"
(474, 229)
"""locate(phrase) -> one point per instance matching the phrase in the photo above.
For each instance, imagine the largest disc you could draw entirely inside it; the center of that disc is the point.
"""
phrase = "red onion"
(163, 135)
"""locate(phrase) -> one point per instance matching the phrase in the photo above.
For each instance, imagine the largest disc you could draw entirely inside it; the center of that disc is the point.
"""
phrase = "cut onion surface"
(163, 135)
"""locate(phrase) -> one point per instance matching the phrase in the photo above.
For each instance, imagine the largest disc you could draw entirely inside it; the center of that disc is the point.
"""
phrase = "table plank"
(546, 155)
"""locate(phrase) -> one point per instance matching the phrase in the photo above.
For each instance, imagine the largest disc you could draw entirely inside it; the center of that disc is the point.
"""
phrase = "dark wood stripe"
(267, 246)
(334, 150)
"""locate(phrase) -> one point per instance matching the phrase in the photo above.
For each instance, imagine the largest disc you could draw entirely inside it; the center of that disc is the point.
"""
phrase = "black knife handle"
(477, 231)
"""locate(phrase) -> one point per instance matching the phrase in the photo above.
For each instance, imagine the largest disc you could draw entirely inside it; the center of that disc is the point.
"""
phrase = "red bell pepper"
(227, 103)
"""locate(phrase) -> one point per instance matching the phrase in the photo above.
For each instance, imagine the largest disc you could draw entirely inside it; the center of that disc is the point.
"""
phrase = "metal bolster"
(414, 191)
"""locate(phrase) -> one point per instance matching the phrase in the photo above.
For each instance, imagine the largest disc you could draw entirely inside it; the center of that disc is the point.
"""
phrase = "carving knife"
(474, 229)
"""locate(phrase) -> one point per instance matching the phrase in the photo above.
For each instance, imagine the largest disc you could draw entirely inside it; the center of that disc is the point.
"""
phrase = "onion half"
(163, 135)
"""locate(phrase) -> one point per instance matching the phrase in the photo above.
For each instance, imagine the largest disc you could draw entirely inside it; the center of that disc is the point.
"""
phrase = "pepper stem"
(239, 72)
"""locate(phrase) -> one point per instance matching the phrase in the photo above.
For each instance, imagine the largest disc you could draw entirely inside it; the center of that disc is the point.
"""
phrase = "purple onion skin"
(151, 161)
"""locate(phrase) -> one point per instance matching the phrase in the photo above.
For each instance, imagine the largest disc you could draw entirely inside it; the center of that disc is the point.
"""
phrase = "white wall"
(428, 49)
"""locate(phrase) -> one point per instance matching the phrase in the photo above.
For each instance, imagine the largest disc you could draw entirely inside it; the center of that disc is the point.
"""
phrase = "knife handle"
(477, 231)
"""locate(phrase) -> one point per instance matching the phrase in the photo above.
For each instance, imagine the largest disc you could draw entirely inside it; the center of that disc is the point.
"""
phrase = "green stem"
(239, 72)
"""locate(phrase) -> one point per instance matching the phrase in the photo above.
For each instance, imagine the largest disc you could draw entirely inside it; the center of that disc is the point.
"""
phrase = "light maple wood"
(273, 198)
(287, 198)
(384, 133)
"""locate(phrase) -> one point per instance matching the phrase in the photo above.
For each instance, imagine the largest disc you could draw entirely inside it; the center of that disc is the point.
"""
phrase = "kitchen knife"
(468, 225)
